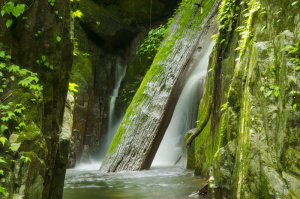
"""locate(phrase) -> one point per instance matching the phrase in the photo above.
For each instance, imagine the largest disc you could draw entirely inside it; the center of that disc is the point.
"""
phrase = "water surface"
(158, 182)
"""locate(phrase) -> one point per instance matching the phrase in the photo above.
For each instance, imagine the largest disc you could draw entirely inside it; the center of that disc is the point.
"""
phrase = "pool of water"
(158, 182)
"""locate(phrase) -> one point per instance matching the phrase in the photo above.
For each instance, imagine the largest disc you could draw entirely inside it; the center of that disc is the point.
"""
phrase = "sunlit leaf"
(3, 127)
(19, 9)
(8, 23)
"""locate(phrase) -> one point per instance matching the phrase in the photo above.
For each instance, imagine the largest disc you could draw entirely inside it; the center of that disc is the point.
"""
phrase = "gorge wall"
(37, 50)
(250, 145)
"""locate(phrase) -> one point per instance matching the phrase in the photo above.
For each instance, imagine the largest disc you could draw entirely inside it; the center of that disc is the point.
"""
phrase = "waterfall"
(113, 123)
(119, 76)
(185, 113)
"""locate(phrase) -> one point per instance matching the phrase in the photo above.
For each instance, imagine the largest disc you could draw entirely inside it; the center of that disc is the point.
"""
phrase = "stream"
(85, 182)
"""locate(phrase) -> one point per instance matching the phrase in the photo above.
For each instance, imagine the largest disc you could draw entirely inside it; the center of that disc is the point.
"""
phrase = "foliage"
(43, 61)
(153, 41)
(51, 2)
(226, 13)
(295, 52)
(11, 112)
(58, 39)
(26, 159)
(72, 88)
(77, 13)
(10, 9)
(128, 95)
(38, 34)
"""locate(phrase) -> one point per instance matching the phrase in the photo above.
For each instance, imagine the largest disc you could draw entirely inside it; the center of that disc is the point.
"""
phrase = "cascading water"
(113, 122)
(185, 113)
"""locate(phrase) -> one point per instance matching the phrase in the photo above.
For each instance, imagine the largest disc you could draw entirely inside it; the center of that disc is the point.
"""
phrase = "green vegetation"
(153, 41)
(77, 13)
(44, 63)
(10, 9)
(51, 2)
(10, 112)
(72, 88)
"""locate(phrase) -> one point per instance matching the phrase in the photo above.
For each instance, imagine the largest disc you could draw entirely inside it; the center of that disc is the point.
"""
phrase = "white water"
(113, 123)
(119, 76)
(185, 113)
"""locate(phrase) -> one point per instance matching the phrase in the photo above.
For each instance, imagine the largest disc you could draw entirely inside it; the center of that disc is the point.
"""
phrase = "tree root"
(200, 129)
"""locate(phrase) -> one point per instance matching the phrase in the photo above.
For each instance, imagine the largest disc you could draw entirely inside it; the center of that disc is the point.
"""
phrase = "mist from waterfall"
(185, 113)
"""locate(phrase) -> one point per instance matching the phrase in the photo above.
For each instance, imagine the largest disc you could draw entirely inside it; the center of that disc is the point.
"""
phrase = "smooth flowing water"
(185, 113)
(157, 183)
(113, 122)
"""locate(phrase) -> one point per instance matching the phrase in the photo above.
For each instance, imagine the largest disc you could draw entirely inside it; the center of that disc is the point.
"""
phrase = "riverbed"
(159, 182)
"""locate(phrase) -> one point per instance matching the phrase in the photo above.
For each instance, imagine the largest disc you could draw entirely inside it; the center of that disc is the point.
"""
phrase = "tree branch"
(200, 129)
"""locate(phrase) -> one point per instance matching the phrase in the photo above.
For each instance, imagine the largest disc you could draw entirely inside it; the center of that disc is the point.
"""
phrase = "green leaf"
(276, 93)
(7, 8)
(259, 128)
(19, 9)
(37, 61)
(23, 72)
(3, 127)
(13, 68)
(47, 64)
(52, 4)
(2, 65)
(1, 74)
(21, 124)
(43, 58)
(27, 159)
(13, 147)
(268, 94)
(2, 54)
(51, 67)
(39, 32)
(8, 23)
(294, 3)
(262, 88)
(2, 190)
(1, 172)
(12, 78)
(3, 140)
(294, 106)
(58, 39)
(56, 12)
(24, 82)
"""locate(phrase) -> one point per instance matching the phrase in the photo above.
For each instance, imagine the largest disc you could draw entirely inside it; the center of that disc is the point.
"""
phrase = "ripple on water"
(159, 182)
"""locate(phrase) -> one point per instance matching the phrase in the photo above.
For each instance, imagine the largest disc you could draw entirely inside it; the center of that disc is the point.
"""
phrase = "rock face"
(64, 143)
(107, 36)
(251, 141)
(38, 140)
(144, 124)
